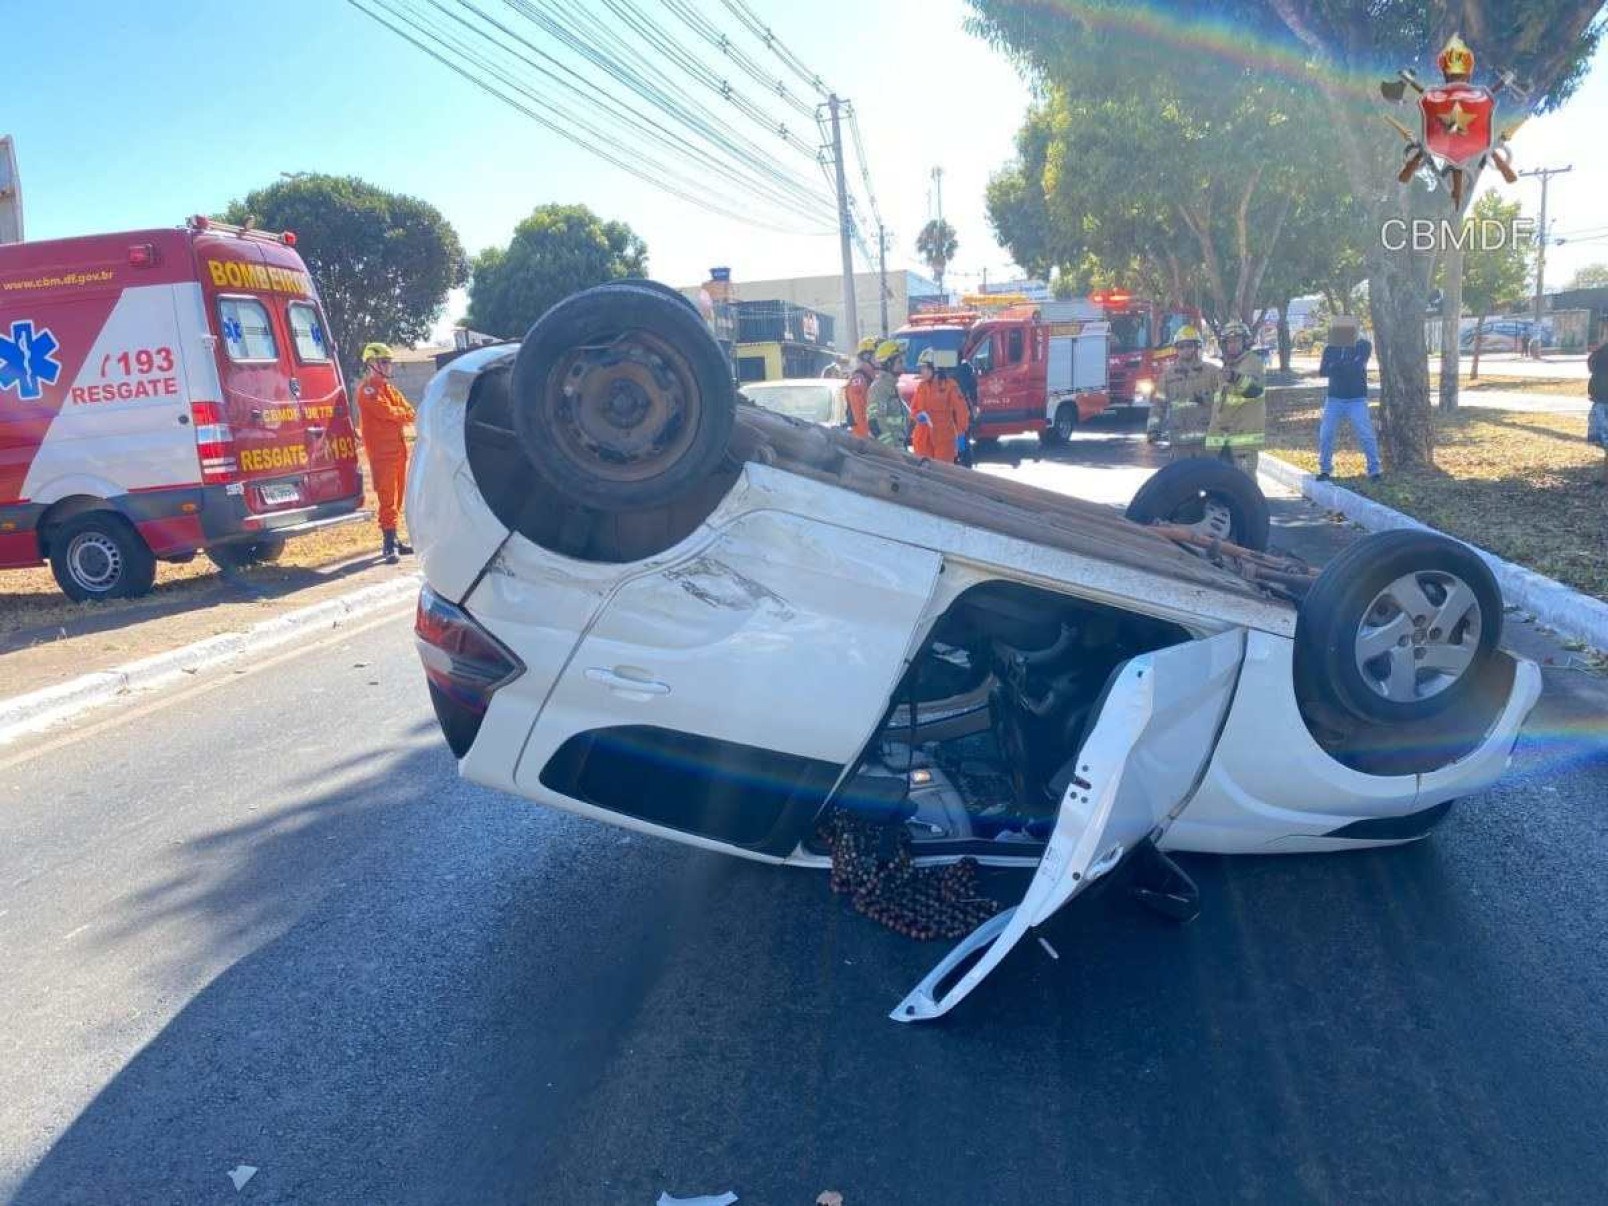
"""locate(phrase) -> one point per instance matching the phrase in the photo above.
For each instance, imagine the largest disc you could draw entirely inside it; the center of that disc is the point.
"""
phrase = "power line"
(750, 20)
(548, 114)
(582, 33)
(711, 33)
(641, 125)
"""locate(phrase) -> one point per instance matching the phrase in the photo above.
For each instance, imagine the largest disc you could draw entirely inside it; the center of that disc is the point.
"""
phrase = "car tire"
(1208, 495)
(245, 553)
(663, 290)
(100, 555)
(622, 399)
(1399, 627)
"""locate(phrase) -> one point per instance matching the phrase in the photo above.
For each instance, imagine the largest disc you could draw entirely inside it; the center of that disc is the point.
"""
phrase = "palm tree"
(936, 245)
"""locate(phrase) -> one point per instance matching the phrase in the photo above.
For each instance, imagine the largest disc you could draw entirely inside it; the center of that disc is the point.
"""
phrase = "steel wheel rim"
(1205, 515)
(1419, 636)
(624, 409)
(95, 561)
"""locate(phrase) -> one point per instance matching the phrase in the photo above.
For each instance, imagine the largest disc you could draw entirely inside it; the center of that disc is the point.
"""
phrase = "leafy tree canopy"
(384, 262)
(558, 250)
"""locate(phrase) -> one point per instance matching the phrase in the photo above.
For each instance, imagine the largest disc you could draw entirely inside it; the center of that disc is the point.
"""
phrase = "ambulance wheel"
(101, 556)
(622, 400)
(1208, 495)
(253, 552)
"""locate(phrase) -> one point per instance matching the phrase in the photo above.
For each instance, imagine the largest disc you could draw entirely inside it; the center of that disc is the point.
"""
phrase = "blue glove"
(924, 419)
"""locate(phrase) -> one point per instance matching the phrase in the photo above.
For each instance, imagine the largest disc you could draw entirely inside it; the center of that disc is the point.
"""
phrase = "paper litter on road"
(240, 1174)
(725, 1199)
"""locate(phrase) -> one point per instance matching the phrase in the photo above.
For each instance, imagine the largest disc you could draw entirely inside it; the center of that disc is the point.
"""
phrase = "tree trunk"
(1397, 298)
(1474, 371)
(1284, 336)
(1451, 327)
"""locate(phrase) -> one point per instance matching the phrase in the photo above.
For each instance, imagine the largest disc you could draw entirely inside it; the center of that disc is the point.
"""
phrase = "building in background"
(824, 295)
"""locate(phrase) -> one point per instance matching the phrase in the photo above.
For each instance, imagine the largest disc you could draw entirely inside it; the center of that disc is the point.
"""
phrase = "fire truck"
(164, 392)
(1035, 366)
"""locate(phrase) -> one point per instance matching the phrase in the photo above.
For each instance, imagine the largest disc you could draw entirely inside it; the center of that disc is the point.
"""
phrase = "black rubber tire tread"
(245, 553)
(139, 564)
(603, 313)
(1326, 626)
(1181, 481)
(659, 287)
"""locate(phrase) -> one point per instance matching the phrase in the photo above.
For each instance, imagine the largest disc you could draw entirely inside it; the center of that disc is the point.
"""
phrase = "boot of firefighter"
(404, 548)
(389, 551)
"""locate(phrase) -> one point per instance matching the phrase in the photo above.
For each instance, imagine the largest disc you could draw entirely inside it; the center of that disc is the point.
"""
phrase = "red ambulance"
(164, 392)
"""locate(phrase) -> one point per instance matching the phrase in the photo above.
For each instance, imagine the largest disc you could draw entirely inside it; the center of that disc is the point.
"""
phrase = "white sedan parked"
(651, 605)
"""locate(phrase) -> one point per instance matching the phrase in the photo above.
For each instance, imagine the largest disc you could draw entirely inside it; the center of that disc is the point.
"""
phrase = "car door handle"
(625, 681)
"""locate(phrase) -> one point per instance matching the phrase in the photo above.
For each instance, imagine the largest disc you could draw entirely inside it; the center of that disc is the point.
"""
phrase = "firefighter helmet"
(1235, 330)
(927, 358)
(376, 351)
(887, 350)
(866, 346)
(1186, 334)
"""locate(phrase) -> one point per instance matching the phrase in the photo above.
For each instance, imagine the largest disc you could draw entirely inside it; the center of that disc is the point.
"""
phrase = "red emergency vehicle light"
(1111, 297)
(141, 255)
(288, 238)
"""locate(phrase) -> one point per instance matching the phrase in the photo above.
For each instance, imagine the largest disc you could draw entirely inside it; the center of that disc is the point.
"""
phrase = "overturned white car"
(651, 605)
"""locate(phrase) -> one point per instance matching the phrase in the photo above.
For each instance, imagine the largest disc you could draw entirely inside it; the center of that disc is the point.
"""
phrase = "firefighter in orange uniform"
(938, 412)
(385, 413)
(858, 390)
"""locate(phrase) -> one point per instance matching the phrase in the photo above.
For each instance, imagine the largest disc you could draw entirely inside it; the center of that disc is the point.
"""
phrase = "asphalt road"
(260, 922)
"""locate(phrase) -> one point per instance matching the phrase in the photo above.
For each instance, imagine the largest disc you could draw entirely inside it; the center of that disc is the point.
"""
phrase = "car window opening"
(979, 743)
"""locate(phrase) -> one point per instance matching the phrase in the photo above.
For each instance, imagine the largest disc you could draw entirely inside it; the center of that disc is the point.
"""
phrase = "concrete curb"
(1574, 615)
(23, 714)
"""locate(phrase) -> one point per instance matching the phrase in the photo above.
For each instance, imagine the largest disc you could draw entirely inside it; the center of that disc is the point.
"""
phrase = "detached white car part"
(718, 654)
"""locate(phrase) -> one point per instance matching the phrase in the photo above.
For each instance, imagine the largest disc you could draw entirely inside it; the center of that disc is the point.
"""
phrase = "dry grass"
(1519, 484)
(31, 598)
(1550, 386)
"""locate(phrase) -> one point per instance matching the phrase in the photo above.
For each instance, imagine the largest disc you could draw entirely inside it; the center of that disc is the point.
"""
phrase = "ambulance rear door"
(282, 394)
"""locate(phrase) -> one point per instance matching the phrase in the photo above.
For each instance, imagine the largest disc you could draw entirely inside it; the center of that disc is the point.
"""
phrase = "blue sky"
(141, 114)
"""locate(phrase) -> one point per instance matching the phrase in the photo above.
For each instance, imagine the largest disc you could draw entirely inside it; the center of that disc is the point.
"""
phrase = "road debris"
(724, 1199)
(829, 1197)
(1048, 949)
(240, 1174)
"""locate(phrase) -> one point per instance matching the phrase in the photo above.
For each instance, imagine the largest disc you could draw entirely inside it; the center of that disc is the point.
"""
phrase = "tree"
(384, 262)
(1494, 275)
(1318, 64)
(937, 244)
(558, 250)
(1592, 276)
(1187, 175)
(1547, 44)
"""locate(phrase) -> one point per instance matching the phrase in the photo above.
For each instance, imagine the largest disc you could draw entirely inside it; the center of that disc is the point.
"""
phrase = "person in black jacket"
(1345, 364)
(1597, 391)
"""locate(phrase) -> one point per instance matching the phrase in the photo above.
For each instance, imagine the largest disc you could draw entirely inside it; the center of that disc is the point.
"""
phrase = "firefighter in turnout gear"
(1188, 380)
(885, 410)
(385, 414)
(858, 390)
(1239, 414)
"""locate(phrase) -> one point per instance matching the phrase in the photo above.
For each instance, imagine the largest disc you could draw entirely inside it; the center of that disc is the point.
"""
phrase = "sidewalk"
(90, 640)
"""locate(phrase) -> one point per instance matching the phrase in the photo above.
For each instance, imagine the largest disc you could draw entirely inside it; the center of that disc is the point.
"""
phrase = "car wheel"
(1399, 626)
(101, 556)
(663, 290)
(1209, 496)
(253, 552)
(621, 399)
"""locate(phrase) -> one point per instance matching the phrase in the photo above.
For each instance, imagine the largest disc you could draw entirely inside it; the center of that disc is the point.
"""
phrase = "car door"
(1149, 748)
(722, 696)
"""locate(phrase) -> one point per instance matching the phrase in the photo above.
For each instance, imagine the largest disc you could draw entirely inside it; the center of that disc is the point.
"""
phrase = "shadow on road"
(452, 995)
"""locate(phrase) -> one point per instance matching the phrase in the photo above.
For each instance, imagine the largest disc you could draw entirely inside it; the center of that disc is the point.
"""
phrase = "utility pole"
(938, 191)
(882, 274)
(1546, 175)
(851, 313)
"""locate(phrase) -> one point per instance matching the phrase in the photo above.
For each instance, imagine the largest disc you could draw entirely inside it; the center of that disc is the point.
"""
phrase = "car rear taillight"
(214, 444)
(464, 664)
